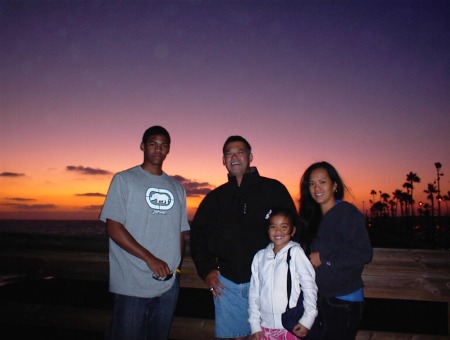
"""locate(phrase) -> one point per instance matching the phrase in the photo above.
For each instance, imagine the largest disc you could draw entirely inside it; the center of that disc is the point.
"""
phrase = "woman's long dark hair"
(310, 214)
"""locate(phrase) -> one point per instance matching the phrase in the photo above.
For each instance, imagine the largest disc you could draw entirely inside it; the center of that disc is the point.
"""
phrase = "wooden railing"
(405, 274)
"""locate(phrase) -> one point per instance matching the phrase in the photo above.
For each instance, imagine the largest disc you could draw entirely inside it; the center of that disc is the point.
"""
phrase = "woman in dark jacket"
(334, 234)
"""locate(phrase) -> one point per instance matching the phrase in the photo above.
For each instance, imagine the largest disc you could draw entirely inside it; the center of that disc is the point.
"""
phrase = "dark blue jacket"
(344, 246)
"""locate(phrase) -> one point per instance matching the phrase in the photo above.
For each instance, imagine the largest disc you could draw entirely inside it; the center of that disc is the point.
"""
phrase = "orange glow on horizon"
(77, 201)
(77, 94)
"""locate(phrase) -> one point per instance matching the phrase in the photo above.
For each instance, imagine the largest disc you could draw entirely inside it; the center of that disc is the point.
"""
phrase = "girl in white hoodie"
(268, 286)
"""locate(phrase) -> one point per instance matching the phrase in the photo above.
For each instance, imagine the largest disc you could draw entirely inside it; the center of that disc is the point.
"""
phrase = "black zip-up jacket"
(230, 225)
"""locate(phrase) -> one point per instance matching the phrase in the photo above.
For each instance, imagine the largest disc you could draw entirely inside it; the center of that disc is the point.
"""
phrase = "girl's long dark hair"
(310, 214)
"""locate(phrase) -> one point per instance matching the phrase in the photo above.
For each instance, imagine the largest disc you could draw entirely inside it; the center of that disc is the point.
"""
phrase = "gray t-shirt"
(153, 209)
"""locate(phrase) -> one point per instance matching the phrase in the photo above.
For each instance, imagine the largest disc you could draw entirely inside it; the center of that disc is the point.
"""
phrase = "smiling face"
(322, 189)
(280, 231)
(237, 159)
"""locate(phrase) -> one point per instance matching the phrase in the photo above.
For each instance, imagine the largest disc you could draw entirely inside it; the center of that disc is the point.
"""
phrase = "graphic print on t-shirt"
(159, 199)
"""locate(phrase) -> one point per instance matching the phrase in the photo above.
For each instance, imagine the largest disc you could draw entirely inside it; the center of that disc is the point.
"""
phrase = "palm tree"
(408, 188)
(446, 198)
(373, 193)
(384, 197)
(377, 209)
(405, 201)
(431, 191)
(397, 196)
(393, 207)
(412, 178)
(425, 210)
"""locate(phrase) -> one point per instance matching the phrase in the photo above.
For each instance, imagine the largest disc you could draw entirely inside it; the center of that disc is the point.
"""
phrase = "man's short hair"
(236, 139)
(155, 130)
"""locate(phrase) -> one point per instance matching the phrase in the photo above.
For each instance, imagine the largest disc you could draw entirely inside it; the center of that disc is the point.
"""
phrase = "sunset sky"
(364, 85)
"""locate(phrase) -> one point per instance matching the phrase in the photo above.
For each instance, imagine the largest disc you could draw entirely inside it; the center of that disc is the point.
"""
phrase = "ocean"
(54, 227)
(381, 315)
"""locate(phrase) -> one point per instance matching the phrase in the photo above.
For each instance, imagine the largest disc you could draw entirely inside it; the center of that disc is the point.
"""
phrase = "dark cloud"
(87, 170)
(93, 208)
(194, 188)
(20, 199)
(11, 174)
(32, 206)
(91, 194)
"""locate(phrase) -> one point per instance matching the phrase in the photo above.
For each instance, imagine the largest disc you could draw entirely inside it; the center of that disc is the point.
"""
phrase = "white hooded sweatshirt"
(268, 287)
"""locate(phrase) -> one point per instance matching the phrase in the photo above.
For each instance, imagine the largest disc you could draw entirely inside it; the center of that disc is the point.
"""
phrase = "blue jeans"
(136, 318)
(341, 318)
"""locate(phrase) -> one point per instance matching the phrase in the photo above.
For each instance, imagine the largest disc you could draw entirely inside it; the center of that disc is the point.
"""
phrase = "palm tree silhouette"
(406, 201)
(385, 198)
(393, 207)
(397, 196)
(431, 191)
(373, 193)
(412, 178)
(446, 198)
(408, 188)
(378, 208)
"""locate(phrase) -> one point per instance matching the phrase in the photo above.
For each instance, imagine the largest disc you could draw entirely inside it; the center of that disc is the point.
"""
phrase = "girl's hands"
(257, 336)
(300, 330)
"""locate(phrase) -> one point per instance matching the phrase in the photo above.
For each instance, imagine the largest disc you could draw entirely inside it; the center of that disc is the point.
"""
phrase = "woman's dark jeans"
(340, 318)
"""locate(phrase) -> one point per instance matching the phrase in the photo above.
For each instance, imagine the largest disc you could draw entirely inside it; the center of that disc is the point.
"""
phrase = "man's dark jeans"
(137, 318)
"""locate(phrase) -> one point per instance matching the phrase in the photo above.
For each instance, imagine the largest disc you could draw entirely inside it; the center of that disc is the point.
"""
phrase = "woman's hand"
(315, 259)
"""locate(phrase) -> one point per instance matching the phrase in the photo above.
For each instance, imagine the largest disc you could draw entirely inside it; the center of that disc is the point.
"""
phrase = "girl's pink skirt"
(277, 334)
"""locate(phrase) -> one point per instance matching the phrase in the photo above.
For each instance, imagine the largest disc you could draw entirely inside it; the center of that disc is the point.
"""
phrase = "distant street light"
(438, 197)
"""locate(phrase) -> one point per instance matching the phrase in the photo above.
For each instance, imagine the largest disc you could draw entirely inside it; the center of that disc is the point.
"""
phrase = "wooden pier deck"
(400, 274)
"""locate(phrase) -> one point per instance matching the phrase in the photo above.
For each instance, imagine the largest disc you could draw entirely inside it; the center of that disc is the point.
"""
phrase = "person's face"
(155, 149)
(322, 189)
(237, 159)
(280, 231)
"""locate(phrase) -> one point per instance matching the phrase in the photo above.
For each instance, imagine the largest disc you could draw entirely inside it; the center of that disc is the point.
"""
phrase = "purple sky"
(364, 85)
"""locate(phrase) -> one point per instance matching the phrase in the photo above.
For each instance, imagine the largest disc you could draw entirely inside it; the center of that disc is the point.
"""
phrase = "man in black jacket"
(228, 229)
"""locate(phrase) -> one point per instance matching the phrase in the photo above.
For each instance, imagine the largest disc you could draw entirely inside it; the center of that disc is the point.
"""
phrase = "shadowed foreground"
(75, 301)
